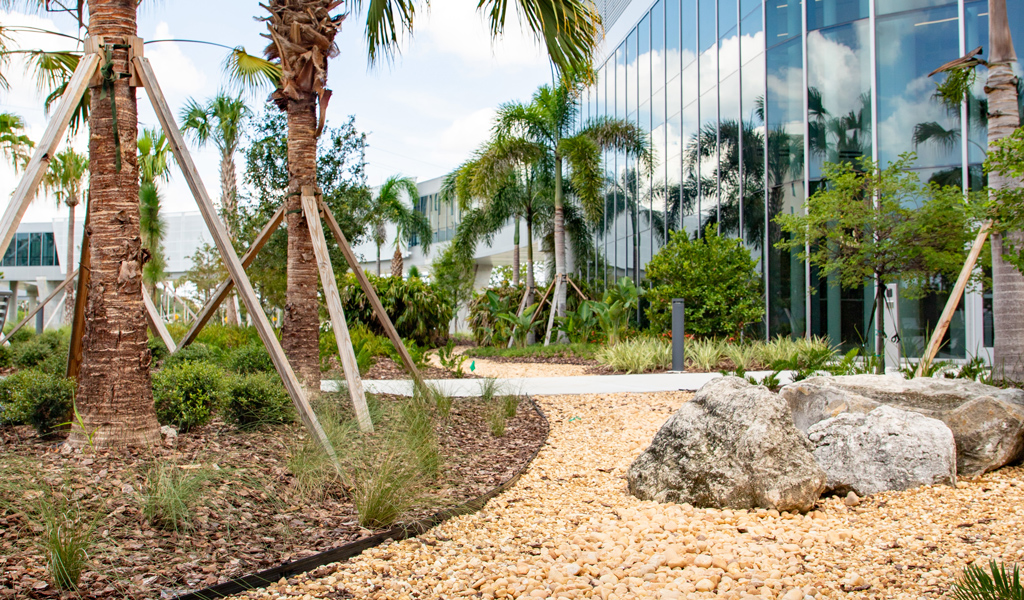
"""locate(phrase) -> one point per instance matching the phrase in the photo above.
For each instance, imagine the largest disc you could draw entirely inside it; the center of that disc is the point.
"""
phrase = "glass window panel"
(690, 85)
(783, 20)
(839, 95)
(825, 13)
(910, 46)
(12, 249)
(706, 18)
(49, 252)
(887, 7)
(752, 77)
(708, 69)
(748, 7)
(688, 25)
(786, 280)
(729, 156)
(619, 81)
(728, 19)
(728, 55)
(673, 99)
(22, 260)
(691, 156)
(631, 74)
(35, 252)
(658, 45)
(752, 26)
(673, 169)
(644, 60)
(673, 60)
(707, 165)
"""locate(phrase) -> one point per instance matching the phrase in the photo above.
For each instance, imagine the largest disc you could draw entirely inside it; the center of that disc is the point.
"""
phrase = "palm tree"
(221, 121)
(66, 177)
(542, 129)
(1003, 119)
(14, 144)
(154, 156)
(387, 207)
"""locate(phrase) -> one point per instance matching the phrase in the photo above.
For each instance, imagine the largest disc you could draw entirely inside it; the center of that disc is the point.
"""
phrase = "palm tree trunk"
(229, 208)
(515, 255)
(114, 396)
(378, 260)
(69, 292)
(300, 328)
(397, 264)
(558, 301)
(531, 338)
(1007, 282)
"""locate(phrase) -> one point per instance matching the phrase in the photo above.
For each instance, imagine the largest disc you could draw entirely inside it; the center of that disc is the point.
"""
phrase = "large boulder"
(732, 446)
(885, 449)
(987, 422)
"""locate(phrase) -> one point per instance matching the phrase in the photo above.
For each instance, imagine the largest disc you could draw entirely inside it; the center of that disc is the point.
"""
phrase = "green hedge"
(419, 310)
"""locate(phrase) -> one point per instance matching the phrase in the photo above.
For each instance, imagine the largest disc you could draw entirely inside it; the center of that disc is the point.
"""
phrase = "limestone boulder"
(733, 445)
(987, 422)
(883, 450)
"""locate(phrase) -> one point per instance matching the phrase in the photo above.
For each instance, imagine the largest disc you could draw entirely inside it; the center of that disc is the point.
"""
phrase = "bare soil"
(250, 517)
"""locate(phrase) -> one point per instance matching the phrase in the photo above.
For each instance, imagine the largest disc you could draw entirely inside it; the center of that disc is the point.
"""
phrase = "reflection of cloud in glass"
(899, 114)
(837, 70)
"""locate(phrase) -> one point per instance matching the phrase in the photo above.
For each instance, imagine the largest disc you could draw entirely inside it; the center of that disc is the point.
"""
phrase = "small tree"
(883, 224)
(714, 276)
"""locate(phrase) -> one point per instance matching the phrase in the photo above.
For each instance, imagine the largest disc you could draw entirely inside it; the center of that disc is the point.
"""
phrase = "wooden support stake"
(230, 258)
(578, 291)
(540, 304)
(378, 308)
(559, 283)
(46, 149)
(953, 301)
(81, 296)
(335, 310)
(222, 291)
(156, 323)
(39, 307)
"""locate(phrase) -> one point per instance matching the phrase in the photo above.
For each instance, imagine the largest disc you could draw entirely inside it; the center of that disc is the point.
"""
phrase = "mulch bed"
(251, 518)
(386, 368)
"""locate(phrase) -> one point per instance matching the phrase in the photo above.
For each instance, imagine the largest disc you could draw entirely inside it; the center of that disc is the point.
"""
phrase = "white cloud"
(456, 28)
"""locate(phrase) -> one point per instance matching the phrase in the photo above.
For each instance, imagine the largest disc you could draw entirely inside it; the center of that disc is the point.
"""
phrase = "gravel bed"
(569, 529)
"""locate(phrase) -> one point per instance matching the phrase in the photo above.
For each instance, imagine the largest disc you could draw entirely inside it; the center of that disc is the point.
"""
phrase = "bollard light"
(678, 335)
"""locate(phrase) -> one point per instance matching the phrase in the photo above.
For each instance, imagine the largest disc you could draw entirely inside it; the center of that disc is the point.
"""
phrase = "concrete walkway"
(552, 386)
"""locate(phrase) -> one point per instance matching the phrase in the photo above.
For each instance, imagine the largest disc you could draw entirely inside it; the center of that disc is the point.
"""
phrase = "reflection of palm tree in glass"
(838, 138)
(632, 194)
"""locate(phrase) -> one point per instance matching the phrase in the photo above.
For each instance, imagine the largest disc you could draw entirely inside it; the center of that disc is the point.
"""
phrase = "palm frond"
(251, 73)
(1000, 582)
(569, 29)
(617, 134)
(584, 157)
(932, 132)
(386, 21)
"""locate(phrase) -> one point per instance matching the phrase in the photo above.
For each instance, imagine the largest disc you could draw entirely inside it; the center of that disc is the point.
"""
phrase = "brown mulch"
(250, 517)
(386, 368)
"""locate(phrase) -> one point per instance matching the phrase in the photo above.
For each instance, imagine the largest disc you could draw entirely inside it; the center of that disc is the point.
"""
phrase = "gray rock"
(885, 449)
(733, 446)
(987, 422)
(989, 433)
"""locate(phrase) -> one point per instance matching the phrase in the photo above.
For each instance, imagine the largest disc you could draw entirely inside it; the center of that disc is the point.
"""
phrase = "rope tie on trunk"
(109, 77)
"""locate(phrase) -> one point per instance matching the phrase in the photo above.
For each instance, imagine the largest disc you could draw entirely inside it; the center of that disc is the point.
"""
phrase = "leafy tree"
(207, 271)
(154, 165)
(883, 224)
(341, 178)
(387, 207)
(66, 178)
(715, 277)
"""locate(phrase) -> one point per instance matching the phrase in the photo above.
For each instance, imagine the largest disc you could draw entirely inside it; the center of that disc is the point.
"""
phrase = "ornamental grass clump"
(67, 537)
(638, 355)
(170, 495)
(383, 488)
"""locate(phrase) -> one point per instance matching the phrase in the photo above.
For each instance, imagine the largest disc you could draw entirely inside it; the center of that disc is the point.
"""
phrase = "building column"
(42, 291)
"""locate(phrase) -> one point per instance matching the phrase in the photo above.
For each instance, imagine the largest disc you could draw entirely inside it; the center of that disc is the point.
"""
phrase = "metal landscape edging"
(397, 533)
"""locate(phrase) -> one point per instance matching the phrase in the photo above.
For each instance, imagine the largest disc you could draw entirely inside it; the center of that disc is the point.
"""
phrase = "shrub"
(40, 399)
(716, 279)
(419, 311)
(639, 355)
(257, 399)
(185, 395)
(6, 357)
(251, 358)
(38, 348)
(196, 352)
(14, 405)
(227, 337)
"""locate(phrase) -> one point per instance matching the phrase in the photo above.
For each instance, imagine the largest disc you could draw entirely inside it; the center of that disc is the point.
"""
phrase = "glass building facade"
(746, 100)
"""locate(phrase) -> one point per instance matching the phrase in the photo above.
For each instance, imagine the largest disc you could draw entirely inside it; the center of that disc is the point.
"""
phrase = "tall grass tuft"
(704, 354)
(743, 356)
(170, 495)
(638, 355)
(67, 537)
(496, 419)
(382, 489)
(510, 404)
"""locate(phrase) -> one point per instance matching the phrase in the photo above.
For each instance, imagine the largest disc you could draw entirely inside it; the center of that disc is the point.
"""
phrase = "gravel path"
(568, 529)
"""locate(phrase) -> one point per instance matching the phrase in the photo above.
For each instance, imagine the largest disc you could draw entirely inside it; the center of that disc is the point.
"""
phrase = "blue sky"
(423, 114)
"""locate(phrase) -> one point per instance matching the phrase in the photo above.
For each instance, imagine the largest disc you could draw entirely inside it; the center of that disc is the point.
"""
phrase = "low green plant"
(67, 537)
(382, 489)
(489, 388)
(38, 349)
(196, 352)
(638, 355)
(187, 394)
(451, 360)
(975, 369)
(51, 399)
(15, 406)
(519, 324)
(779, 349)
(999, 582)
(510, 404)
(579, 325)
(170, 495)
(257, 399)
(743, 356)
(704, 354)
(250, 358)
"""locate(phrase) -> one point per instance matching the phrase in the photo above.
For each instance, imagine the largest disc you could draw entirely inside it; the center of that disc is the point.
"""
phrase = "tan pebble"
(572, 569)
(851, 499)
(793, 594)
(705, 585)
(719, 563)
(703, 561)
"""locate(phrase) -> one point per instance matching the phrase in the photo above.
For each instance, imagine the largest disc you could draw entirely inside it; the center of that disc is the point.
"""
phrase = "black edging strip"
(400, 532)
